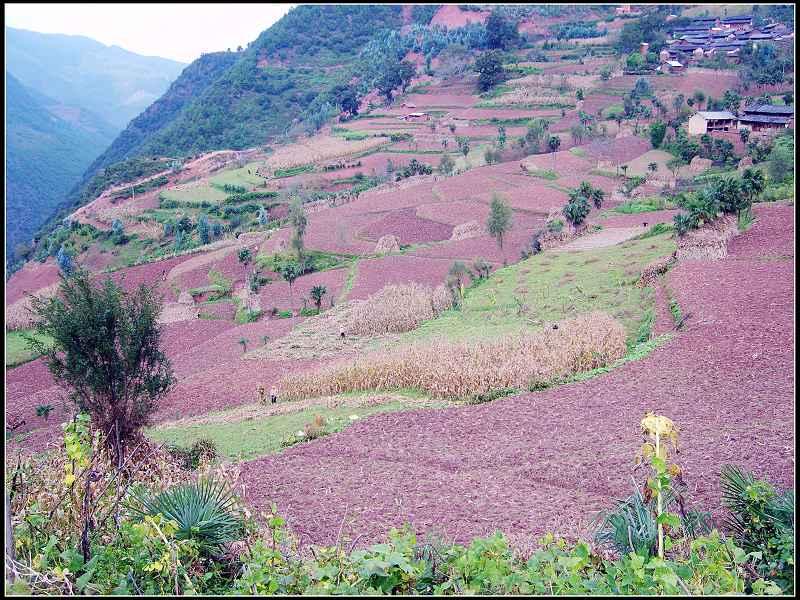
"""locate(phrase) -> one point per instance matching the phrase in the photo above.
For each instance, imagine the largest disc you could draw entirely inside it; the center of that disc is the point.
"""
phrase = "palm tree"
(317, 292)
(753, 184)
(554, 143)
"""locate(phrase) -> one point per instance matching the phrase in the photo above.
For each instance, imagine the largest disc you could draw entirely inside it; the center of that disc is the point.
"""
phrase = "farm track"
(530, 464)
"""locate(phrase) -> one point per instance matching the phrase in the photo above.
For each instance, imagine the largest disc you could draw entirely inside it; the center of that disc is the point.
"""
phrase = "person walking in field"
(273, 395)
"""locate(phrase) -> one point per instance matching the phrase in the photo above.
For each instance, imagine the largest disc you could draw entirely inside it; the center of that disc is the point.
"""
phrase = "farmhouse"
(706, 121)
(766, 117)
(673, 66)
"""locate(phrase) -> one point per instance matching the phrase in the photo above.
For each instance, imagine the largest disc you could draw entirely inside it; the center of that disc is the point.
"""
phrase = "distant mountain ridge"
(111, 82)
(45, 154)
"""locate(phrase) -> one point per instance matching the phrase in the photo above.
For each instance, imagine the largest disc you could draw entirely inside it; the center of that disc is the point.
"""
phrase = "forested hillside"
(194, 79)
(45, 156)
(113, 83)
(276, 79)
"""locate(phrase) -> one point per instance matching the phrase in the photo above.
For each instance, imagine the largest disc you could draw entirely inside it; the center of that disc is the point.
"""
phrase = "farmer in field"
(273, 395)
(262, 395)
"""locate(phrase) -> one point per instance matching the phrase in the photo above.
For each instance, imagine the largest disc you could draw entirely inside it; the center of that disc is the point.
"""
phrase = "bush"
(206, 512)
(106, 350)
(761, 520)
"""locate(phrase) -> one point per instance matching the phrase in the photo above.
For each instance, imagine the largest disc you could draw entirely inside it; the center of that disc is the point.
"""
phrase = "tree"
(678, 103)
(500, 33)
(674, 164)
(781, 165)
(463, 145)
(455, 281)
(554, 143)
(489, 67)
(731, 100)
(298, 222)
(744, 135)
(728, 195)
(245, 255)
(635, 61)
(597, 197)
(180, 238)
(290, 271)
(64, 260)
(605, 73)
(579, 95)
(788, 99)
(576, 210)
(501, 137)
(657, 132)
(699, 97)
(500, 219)
(317, 293)
(106, 349)
(263, 216)
(753, 184)
(652, 167)
(117, 232)
(203, 230)
(446, 165)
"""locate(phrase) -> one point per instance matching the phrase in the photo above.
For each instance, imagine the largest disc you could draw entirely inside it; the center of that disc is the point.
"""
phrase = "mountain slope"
(45, 155)
(192, 81)
(275, 79)
(111, 82)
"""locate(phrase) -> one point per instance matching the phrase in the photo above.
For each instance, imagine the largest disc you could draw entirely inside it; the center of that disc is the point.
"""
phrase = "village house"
(766, 117)
(704, 122)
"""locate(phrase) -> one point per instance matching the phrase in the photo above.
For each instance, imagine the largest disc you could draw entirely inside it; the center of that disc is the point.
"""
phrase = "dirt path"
(548, 461)
(601, 239)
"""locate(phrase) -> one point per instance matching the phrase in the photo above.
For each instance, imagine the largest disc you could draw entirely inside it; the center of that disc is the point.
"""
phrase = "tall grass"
(396, 309)
(462, 371)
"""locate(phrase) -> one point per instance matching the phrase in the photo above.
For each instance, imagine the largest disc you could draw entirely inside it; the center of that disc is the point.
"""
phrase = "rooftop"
(769, 109)
(716, 115)
(764, 119)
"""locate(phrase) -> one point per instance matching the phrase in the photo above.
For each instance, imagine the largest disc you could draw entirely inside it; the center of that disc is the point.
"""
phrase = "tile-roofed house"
(711, 120)
(769, 109)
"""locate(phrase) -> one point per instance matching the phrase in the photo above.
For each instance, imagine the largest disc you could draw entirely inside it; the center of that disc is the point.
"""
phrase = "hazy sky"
(177, 31)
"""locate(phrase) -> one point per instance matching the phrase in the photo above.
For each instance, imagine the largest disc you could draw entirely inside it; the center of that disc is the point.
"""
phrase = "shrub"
(106, 349)
(500, 219)
(205, 512)
(761, 520)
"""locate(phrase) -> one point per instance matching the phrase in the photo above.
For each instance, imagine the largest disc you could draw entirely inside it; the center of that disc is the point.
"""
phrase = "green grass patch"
(17, 351)
(579, 152)
(317, 260)
(350, 135)
(249, 439)
(548, 174)
(244, 176)
(555, 286)
(643, 205)
(496, 92)
(195, 195)
(655, 230)
(280, 173)
(604, 173)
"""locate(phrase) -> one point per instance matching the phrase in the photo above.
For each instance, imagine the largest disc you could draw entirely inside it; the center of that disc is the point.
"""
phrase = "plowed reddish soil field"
(548, 461)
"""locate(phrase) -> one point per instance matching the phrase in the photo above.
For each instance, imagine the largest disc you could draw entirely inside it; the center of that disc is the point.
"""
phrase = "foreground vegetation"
(177, 532)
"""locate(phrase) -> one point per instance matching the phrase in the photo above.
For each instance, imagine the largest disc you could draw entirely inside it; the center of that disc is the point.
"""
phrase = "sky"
(178, 31)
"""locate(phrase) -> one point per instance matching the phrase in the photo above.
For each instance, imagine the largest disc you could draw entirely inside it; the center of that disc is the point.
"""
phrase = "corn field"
(319, 148)
(397, 308)
(453, 371)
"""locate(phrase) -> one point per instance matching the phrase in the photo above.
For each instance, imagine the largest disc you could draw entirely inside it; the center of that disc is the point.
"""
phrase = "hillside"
(113, 83)
(189, 85)
(48, 148)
